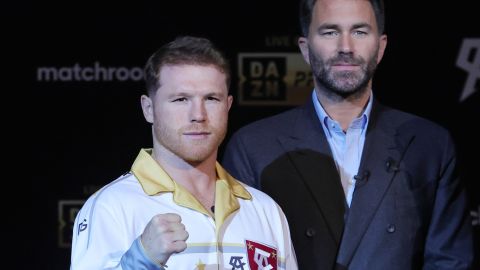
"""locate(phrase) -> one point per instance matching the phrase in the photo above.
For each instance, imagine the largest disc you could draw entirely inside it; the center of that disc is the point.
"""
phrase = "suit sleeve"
(237, 161)
(449, 243)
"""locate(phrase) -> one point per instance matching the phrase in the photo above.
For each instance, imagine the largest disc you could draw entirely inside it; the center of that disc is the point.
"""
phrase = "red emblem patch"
(261, 257)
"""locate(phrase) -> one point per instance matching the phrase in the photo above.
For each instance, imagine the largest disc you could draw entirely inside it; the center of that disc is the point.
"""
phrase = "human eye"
(360, 33)
(179, 99)
(329, 33)
(213, 98)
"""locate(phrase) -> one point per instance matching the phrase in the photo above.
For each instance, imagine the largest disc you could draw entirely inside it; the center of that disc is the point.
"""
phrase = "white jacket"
(249, 230)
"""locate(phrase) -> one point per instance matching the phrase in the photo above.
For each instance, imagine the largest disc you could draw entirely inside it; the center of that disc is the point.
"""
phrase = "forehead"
(339, 12)
(192, 78)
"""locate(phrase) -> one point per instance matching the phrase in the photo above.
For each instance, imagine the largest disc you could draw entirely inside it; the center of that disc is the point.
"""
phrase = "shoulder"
(407, 123)
(265, 208)
(413, 128)
(261, 199)
(278, 124)
(117, 190)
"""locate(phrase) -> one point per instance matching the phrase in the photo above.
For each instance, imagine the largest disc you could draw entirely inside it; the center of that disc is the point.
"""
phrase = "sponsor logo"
(236, 263)
(82, 226)
(94, 73)
(281, 41)
(261, 257)
(67, 211)
(273, 79)
(469, 60)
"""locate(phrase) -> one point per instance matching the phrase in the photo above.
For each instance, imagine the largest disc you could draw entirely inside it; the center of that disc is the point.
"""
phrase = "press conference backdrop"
(85, 79)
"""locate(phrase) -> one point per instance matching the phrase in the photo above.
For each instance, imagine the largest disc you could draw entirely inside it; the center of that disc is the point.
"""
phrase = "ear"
(382, 47)
(147, 108)
(229, 101)
(303, 45)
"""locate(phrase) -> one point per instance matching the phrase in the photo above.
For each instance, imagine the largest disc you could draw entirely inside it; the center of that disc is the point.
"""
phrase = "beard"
(343, 83)
(192, 151)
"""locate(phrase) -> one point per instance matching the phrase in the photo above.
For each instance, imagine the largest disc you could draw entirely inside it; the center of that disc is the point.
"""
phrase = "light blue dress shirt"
(347, 147)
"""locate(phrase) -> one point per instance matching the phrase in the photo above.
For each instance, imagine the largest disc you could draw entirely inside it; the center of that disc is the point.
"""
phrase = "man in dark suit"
(363, 186)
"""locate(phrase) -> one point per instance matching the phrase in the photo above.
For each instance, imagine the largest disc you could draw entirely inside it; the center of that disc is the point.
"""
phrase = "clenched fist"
(164, 235)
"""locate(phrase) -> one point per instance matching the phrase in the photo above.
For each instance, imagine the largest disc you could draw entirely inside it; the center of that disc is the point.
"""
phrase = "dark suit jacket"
(408, 210)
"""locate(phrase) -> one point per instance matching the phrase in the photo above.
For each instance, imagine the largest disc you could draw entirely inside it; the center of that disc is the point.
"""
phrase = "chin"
(196, 157)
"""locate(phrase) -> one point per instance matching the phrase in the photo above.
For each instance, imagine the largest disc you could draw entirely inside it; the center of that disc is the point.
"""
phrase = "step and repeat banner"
(85, 69)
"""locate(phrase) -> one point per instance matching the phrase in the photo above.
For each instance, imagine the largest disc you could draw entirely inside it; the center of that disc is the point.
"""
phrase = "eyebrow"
(362, 25)
(189, 94)
(337, 27)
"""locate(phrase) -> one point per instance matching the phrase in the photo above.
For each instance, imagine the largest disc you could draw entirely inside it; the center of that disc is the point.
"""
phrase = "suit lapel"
(309, 152)
(380, 155)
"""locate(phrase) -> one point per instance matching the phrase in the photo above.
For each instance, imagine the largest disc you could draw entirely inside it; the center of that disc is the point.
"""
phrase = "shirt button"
(311, 232)
(391, 228)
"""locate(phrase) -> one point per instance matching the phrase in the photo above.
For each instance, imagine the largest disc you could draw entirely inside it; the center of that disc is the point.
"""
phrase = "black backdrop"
(86, 129)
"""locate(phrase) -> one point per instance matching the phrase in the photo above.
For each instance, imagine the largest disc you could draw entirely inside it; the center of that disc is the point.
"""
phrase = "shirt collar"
(361, 121)
(155, 180)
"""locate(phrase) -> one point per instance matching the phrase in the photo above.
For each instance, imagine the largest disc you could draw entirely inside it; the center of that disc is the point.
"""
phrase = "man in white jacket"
(177, 206)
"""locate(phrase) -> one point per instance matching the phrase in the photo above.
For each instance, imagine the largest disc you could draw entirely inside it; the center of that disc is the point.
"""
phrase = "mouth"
(345, 66)
(197, 134)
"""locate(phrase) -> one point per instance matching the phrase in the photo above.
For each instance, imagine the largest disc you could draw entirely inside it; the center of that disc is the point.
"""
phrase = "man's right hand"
(164, 235)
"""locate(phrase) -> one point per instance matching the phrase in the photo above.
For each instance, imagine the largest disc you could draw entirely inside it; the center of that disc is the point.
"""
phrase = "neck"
(343, 109)
(198, 178)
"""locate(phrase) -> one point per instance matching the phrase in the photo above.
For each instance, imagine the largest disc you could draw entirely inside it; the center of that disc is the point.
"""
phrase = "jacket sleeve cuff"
(136, 259)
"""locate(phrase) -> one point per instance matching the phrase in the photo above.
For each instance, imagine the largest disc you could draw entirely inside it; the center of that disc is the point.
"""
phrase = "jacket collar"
(154, 180)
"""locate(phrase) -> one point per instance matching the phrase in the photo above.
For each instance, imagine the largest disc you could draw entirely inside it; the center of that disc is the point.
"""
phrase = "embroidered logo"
(82, 226)
(261, 257)
(236, 262)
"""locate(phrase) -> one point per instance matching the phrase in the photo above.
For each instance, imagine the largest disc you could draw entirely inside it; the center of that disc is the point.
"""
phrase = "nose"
(345, 43)
(198, 112)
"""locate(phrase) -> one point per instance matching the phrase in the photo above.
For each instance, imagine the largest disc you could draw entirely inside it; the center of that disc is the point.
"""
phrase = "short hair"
(183, 50)
(306, 8)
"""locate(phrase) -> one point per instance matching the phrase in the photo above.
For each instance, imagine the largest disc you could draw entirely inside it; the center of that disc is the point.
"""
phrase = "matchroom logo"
(94, 73)
(273, 79)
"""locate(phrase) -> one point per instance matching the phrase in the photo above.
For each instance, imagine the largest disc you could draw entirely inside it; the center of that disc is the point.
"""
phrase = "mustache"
(345, 59)
(196, 128)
